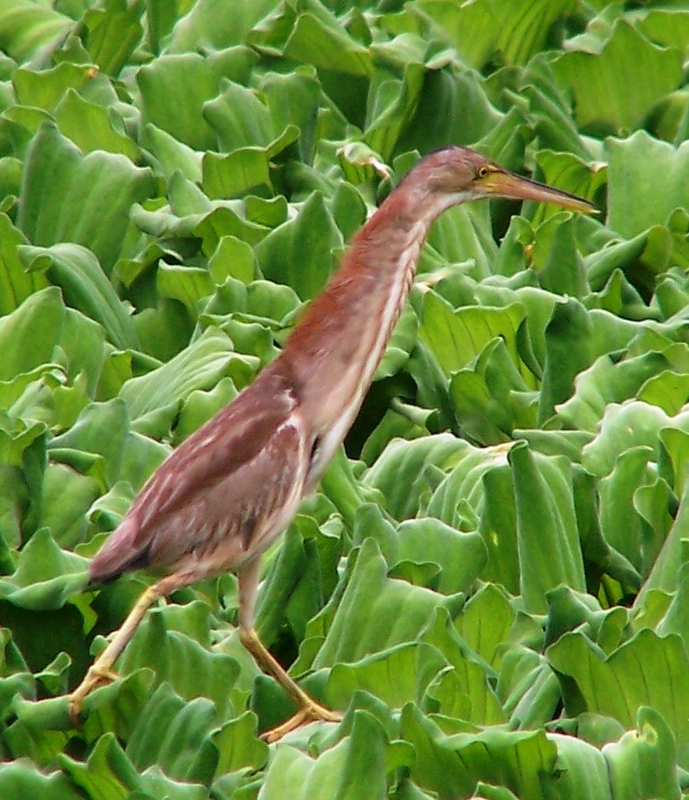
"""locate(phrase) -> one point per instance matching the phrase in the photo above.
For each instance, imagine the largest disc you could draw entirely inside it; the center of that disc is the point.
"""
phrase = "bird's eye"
(482, 172)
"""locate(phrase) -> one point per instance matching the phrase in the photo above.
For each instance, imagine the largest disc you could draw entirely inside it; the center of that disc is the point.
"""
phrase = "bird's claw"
(313, 712)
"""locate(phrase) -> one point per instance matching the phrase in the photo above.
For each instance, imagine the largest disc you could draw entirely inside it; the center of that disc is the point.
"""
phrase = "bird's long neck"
(334, 351)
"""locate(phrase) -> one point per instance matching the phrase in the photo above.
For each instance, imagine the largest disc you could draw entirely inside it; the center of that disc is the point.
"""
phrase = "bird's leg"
(101, 671)
(309, 710)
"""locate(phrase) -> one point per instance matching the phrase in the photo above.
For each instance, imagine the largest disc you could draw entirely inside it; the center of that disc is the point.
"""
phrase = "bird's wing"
(221, 495)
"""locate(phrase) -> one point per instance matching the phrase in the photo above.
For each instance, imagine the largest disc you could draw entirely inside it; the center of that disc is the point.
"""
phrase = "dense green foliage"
(493, 583)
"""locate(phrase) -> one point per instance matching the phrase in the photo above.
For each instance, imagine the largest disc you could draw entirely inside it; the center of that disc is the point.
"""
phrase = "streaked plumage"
(232, 487)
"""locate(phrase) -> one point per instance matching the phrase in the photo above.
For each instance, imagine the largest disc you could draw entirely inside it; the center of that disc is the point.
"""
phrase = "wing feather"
(221, 496)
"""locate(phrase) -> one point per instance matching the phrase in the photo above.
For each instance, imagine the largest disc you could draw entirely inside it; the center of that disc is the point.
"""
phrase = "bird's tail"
(118, 555)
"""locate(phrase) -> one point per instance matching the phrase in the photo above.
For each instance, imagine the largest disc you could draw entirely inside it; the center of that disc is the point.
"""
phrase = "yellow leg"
(101, 671)
(309, 710)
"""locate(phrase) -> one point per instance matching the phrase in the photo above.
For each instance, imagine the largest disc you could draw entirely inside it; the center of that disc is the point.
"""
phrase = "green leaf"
(15, 284)
(517, 31)
(114, 31)
(635, 163)
(84, 287)
(547, 536)
(361, 622)
(400, 472)
(46, 576)
(23, 781)
(28, 335)
(353, 768)
(603, 102)
(108, 765)
(67, 197)
(192, 79)
(452, 765)
(646, 670)
(299, 252)
(200, 366)
(643, 761)
(457, 337)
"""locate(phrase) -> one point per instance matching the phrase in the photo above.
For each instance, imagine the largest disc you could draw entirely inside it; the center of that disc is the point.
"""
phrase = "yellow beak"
(515, 187)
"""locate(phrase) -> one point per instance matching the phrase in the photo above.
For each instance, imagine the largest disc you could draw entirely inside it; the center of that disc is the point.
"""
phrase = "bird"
(231, 488)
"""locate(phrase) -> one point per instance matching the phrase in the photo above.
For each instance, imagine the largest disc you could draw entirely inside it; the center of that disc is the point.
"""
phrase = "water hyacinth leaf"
(28, 335)
(192, 79)
(66, 499)
(182, 746)
(24, 31)
(631, 424)
(452, 765)
(471, 679)
(635, 163)
(16, 285)
(320, 40)
(675, 618)
(158, 784)
(354, 767)
(484, 396)
(480, 30)
(171, 154)
(244, 171)
(548, 542)
(200, 366)
(181, 662)
(458, 496)
(240, 118)
(206, 23)
(643, 760)
(621, 524)
(498, 527)
(186, 284)
(485, 622)
(113, 34)
(88, 199)
(293, 590)
(663, 575)
(584, 769)
(46, 575)
(457, 337)
(299, 252)
(646, 670)
(568, 343)
(399, 472)
(90, 127)
(396, 676)
(43, 89)
(361, 624)
(560, 267)
(238, 745)
(84, 286)
(461, 556)
(607, 381)
(527, 688)
(603, 105)
(109, 764)
(102, 429)
(23, 780)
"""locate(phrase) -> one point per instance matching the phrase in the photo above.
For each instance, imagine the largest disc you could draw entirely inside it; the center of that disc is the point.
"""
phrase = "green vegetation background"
(493, 584)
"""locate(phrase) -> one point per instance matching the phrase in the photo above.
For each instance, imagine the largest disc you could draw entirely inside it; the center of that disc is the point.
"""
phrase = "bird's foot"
(95, 677)
(309, 712)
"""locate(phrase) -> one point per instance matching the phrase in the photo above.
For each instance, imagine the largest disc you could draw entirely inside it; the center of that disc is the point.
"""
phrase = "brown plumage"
(233, 486)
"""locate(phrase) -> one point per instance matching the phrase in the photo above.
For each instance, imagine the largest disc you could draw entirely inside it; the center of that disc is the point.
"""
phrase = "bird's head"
(457, 175)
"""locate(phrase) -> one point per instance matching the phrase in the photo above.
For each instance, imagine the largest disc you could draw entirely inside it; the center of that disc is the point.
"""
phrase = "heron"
(229, 490)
